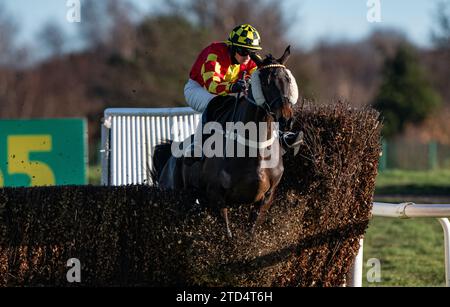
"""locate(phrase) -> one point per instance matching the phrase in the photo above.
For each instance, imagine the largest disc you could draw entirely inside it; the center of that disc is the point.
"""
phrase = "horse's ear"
(256, 58)
(285, 56)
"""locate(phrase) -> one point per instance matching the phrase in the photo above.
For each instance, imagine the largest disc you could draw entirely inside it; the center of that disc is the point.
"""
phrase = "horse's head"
(274, 88)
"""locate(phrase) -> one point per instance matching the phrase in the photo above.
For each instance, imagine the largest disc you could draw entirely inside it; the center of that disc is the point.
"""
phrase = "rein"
(266, 107)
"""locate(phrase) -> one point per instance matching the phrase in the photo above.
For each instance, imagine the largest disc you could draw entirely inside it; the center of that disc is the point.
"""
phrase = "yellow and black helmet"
(245, 36)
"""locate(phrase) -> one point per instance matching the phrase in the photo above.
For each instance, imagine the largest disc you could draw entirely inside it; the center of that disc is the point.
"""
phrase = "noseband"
(267, 106)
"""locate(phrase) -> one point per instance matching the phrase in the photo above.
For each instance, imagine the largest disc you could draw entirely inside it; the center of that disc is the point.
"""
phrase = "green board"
(43, 152)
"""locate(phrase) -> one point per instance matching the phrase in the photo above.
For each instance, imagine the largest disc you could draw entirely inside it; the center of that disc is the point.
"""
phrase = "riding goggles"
(243, 51)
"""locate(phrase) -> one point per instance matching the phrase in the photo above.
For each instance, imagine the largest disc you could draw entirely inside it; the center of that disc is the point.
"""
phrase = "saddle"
(220, 109)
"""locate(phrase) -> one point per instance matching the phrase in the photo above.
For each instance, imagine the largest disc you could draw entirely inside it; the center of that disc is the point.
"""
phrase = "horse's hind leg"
(224, 212)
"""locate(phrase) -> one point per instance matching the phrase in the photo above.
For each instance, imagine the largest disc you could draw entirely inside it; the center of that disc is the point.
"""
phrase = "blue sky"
(318, 19)
(347, 19)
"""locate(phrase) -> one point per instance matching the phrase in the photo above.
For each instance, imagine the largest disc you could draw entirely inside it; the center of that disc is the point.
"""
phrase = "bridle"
(267, 106)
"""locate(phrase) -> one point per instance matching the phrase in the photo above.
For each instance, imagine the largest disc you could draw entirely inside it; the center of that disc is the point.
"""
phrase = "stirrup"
(298, 140)
(295, 144)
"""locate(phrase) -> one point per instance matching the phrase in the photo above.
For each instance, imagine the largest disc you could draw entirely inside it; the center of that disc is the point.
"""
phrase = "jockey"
(219, 67)
(219, 70)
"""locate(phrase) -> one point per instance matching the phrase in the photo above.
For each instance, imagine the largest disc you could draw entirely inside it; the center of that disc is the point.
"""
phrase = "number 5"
(19, 148)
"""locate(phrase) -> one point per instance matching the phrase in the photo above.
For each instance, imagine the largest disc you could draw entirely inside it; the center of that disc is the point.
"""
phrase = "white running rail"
(406, 211)
(130, 135)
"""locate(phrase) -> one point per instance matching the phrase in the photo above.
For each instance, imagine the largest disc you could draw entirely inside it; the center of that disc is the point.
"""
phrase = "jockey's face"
(242, 59)
(242, 56)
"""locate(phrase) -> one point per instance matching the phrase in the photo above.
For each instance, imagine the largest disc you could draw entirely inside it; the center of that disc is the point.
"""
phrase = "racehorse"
(229, 180)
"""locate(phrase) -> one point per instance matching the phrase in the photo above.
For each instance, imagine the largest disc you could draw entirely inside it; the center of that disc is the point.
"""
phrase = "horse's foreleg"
(224, 212)
(265, 205)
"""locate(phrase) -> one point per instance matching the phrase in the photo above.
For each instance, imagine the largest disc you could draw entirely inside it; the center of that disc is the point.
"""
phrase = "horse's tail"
(161, 155)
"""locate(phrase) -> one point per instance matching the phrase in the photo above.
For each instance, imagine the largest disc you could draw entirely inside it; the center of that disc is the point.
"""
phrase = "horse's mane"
(269, 59)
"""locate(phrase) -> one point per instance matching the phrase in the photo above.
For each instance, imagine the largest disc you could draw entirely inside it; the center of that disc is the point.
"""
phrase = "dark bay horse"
(252, 179)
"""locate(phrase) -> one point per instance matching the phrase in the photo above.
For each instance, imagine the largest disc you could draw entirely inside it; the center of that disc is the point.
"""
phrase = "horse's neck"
(247, 112)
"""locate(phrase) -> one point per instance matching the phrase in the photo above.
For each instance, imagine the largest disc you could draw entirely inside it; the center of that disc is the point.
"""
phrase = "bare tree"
(53, 37)
(109, 26)
(123, 29)
(439, 58)
(386, 41)
(8, 32)
(94, 25)
(441, 34)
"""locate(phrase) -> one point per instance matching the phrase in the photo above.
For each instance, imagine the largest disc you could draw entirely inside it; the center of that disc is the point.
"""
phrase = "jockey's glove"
(239, 86)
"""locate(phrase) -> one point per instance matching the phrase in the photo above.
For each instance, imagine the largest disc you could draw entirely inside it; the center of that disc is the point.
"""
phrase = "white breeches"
(197, 97)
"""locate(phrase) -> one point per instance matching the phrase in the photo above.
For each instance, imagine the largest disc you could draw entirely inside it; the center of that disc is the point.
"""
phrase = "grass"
(435, 182)
(402, 177)
(95, 174)
(411, 252)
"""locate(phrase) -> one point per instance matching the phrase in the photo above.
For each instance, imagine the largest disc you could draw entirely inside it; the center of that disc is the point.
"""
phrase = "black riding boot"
(196, 147)
(291, 141)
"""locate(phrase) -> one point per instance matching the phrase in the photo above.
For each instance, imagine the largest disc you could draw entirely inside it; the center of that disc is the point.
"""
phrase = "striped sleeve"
(213, 78)
(251, 67)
